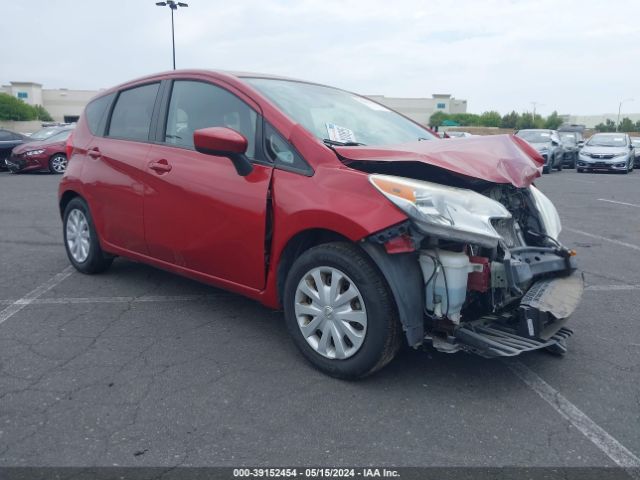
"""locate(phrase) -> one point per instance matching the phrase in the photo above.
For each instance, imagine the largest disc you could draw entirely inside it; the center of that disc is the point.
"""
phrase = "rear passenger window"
(131, 117)
(95, 113)
(196, 105)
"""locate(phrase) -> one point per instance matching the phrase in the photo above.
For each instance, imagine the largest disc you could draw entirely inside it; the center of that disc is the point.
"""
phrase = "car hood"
(33, 145)
(494, 158)
(604, 150)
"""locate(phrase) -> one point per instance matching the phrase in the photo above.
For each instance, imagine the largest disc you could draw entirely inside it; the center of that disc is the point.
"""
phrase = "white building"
(64, 105)
(421, 109)
(591, 121)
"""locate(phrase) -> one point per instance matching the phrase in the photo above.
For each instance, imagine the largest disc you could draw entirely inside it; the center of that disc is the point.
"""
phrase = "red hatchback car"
(362, 225)
(46, 154)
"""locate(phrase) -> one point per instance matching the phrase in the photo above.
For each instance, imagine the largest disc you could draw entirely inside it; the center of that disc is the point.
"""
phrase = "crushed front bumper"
(538, 321)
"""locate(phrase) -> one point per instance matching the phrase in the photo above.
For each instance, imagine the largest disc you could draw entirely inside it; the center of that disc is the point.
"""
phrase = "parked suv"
(571, 148)
(607, 151)
(362, 225)
(548, 143)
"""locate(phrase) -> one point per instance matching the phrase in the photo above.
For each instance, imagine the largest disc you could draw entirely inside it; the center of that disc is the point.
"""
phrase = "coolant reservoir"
(445, 298)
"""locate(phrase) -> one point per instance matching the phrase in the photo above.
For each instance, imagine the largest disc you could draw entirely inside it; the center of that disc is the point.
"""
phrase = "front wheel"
(339, 311)
(58, 163)
(81, 240)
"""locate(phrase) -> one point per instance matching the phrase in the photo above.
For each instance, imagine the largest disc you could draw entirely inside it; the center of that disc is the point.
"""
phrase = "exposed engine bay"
(497, 282)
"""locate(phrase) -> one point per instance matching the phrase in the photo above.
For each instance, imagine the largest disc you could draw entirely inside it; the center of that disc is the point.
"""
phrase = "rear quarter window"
(131, 117)
(96, 113)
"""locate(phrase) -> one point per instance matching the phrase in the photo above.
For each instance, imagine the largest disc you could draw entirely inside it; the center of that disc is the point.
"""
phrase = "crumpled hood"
(495, 158)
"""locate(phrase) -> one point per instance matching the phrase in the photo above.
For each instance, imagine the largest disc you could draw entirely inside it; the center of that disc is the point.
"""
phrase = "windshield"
(339, 117)
(535, 136)
(568, 138)
(607, 141)
(44, 133)
(60, 136)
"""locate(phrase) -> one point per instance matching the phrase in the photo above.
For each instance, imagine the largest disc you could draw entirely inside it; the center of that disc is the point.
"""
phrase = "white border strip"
(617, 452)
(142, 299)
(600, 237)
(30, 297)
(619, 203)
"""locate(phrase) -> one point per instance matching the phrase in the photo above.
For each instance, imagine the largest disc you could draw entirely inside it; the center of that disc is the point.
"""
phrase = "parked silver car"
(607, 151)
(636, 145)
(548, 143)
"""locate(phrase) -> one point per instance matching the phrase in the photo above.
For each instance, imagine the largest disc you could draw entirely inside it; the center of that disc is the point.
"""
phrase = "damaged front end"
(492, 277)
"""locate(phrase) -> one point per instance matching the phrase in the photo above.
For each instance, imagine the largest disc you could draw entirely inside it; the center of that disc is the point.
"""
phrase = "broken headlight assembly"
(548, 213)
(444, 212)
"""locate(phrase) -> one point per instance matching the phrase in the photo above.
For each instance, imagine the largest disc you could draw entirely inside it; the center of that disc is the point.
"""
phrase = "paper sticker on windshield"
(618, 139)
(545, 134)
(370, 104)
(340, 134)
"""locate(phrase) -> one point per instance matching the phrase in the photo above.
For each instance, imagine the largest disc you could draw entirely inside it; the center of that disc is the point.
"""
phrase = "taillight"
(69, 147)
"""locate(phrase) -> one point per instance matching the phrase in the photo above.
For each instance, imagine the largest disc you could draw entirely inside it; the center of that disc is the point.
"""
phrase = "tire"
(560, 166)
(546, 169)
(78, 230)
(376, 333)
(58, 163)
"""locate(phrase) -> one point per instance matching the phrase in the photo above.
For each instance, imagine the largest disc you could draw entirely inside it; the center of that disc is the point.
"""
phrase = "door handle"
(161, 166)
(94, 152)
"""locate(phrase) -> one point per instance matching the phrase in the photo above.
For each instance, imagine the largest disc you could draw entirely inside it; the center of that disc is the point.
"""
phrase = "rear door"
(199, 214)
(118, 163)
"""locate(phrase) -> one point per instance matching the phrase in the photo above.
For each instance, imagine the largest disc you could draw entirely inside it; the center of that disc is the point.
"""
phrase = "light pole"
(620, 108)
(534, 109)
(172, 6)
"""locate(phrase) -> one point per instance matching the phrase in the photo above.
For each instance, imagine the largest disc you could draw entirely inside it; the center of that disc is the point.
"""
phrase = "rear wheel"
(81, 240)
(58, 163)
(339, 311)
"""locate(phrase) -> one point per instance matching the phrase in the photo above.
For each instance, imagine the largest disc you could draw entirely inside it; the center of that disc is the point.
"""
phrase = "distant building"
(421, 109)
(64, 105)
(591, 121)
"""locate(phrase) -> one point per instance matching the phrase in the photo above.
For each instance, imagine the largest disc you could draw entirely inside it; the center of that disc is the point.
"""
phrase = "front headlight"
(620, 154)
(444, 212)
(548, 213)
(34, 152)
(585, 154)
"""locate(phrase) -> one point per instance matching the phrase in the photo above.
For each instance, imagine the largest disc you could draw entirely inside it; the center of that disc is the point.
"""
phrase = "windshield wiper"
(336, 143)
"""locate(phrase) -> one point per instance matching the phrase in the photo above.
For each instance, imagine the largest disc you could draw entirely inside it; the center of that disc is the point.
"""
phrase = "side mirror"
(581, 143)
(554, 143)
(224, 142)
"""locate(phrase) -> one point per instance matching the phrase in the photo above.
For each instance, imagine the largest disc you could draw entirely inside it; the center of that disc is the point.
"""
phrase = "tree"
(490, 119)
(526, 120)
(510, 120)
(626, 125)
(553, 121)
(608, 126)
(12, 108)
(437, 118)
(42, 114)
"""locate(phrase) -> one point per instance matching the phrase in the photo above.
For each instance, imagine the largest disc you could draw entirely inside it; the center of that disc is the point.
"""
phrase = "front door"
(199, 214)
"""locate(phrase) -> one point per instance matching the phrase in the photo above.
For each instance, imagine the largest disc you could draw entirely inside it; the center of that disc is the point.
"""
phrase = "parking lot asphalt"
(139, 367)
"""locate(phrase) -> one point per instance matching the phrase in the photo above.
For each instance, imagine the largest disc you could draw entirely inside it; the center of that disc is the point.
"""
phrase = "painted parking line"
(611, 288)
(30, 297)
(611, 447)
(141, 299)
(619, 203)
(606, 239)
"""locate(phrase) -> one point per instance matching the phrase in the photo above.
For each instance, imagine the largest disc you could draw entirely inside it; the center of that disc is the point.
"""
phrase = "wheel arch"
(65, 198)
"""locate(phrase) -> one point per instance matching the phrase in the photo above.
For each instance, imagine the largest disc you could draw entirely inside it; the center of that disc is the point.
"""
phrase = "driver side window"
(195, 105)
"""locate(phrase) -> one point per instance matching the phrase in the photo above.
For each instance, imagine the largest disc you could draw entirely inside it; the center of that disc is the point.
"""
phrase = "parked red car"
(46, 154)
(362, 225)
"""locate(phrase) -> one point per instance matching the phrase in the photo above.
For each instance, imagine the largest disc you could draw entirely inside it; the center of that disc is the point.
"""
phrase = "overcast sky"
(577, 57)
